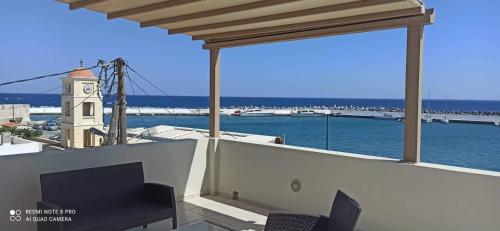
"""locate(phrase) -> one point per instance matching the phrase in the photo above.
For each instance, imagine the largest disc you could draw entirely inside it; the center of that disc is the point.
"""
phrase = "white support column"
(413, 94)
(214, 93)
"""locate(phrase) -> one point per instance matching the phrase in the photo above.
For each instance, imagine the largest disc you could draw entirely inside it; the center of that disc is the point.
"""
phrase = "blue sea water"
(465, 145)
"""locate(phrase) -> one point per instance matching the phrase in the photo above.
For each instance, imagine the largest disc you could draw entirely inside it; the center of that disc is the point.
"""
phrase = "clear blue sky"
(462, 55)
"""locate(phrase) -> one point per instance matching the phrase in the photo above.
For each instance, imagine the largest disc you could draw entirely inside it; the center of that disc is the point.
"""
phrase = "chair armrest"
(278, 221)
(163, 194)
(44, 224)
(160, 193)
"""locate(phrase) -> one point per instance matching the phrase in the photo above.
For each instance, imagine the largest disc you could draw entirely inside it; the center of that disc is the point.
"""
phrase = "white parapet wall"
(17, 145)
(394, 196)
(180, 164)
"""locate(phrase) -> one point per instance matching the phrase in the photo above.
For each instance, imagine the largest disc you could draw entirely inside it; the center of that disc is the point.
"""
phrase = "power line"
(156, 87)
(138, 109)
(152, 84)
(72, 109)
(49, 90)
(166, 94)
(43, 76)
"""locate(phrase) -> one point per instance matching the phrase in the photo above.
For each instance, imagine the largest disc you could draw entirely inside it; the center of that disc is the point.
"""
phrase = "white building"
(10, 112)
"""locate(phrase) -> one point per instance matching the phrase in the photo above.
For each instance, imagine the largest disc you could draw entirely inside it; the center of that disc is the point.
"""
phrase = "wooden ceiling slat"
(298, 13)
(83, 3)
(225, 10)
(313, 24)
(427, 18)
(150, 7)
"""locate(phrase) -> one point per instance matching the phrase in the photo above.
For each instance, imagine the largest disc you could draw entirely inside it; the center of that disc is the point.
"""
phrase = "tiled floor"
(226, 213)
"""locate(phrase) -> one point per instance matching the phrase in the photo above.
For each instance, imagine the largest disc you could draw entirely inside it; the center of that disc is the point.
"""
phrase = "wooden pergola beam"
(427, 18)
(310, 25)
(298, 13)
(150, 7)
(83, 3)
(225, 10)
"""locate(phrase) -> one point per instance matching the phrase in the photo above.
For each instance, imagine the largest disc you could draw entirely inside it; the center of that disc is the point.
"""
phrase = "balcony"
(207, 172)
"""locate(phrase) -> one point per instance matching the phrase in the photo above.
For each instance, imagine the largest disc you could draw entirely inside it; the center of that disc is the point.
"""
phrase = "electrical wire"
(44, 76)
(138, 109)
(168, 95)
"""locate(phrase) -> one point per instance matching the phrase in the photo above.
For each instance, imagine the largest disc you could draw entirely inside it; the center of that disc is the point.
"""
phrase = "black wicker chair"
(343, 217)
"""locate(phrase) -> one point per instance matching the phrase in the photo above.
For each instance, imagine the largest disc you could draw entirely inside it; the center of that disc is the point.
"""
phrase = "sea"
(464, 145)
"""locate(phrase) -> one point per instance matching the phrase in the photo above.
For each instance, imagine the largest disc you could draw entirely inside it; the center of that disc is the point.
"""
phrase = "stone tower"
(81, 110)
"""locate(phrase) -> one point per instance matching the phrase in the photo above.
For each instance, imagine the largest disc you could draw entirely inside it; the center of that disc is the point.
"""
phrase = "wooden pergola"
(232, 23)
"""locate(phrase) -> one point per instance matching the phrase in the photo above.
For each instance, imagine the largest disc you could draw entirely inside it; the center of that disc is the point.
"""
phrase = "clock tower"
(81, 110)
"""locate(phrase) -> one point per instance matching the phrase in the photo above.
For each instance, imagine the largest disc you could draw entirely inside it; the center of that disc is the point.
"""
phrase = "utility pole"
(122, 104)
(113, 126)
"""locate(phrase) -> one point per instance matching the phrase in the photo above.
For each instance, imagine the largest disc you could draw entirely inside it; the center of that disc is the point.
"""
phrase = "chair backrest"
(94, 188)
(344, 214)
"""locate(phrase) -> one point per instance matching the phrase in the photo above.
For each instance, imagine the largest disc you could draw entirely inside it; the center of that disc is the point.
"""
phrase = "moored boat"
(385, 116)
(255, 113)
(444, 121)
(306, 113)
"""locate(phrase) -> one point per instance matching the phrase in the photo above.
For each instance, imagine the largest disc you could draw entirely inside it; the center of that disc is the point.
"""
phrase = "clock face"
(68, 88)
(87, 88)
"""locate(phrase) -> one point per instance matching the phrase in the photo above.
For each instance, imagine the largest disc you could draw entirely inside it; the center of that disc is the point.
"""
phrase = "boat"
(444, 120)
(385, 116)
(256, 113)
(427, 119)
(332, 113)
(497, 124)
(236, 113)
(306, 113)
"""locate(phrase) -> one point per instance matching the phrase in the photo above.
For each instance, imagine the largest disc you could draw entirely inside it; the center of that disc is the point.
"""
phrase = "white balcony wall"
(394, 196)
(180, 164)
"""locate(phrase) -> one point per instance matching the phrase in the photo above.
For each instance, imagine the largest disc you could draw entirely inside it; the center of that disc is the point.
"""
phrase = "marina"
(379, 113)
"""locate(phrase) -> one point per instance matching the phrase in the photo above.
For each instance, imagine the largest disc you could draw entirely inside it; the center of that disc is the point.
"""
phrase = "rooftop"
(81, 73)
(171, 133)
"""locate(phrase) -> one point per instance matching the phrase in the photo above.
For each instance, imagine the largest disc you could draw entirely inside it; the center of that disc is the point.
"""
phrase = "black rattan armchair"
(343, 217)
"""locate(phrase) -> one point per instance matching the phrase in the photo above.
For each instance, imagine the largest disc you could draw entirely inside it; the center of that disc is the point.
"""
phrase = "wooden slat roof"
(223, 23)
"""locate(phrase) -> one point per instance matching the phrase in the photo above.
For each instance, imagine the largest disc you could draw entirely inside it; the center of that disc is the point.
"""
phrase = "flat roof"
(228, 23)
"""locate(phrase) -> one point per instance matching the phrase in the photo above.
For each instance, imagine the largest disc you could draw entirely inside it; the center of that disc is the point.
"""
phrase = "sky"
(461, 55)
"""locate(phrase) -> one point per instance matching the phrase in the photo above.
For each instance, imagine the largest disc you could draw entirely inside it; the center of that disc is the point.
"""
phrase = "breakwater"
(341, 111)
